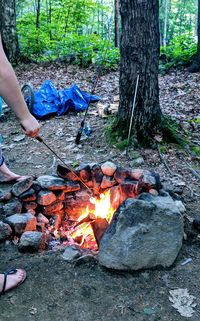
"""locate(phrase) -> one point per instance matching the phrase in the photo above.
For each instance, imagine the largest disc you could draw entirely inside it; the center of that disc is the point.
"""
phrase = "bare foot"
(8, 175)
(13, 280)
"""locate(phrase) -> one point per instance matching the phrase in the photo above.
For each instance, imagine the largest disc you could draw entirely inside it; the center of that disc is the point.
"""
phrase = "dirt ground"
(84, 291)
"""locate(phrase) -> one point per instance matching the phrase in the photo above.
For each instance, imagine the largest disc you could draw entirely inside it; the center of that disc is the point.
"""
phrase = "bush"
(180, 52)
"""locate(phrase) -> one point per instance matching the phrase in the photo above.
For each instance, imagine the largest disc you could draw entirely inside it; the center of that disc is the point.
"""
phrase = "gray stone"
(52, 208)
(137, 161)
(22, 186)
(22, 222)
(42, 219)
(46, 198)
(144, 233)
(12, 207)
(108, 168)
(31, 242)
(148, 178)
(5, 196)
(71, 253)
(36, 186)
(57, 183)
(5, 231)
(28, 196)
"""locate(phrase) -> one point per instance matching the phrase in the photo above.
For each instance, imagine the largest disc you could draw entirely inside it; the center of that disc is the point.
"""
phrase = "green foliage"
(66, 30)
(181, 51)
(171, 132)
(197, 120)
(196, 150)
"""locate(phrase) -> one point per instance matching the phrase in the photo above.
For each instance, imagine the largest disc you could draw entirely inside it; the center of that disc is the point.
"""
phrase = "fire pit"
(58, 211)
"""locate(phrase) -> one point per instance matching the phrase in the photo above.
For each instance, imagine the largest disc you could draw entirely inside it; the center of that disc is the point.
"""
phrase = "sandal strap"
(6, 273)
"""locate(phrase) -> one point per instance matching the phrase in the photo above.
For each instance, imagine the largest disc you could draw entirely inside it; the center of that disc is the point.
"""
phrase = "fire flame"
(83, 232)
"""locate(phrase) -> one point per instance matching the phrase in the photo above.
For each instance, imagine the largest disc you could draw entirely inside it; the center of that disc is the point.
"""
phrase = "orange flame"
(102, 209)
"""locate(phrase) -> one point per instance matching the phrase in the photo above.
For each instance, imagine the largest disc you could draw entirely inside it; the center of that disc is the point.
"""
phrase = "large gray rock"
(22, 186)
(5, 231)
(57, 183)
(31, 242)
(144, 233)
(22, 222)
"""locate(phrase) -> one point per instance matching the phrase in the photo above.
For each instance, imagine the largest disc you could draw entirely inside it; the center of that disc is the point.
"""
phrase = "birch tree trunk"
(116, 23)
(8, 29)
(139, 55)
(165, 23)
(196, 64)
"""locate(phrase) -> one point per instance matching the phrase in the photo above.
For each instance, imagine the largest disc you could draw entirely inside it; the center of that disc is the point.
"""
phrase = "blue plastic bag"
(48, 100)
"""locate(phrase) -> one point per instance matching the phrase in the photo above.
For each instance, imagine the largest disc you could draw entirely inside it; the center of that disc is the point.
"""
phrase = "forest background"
(78, 30)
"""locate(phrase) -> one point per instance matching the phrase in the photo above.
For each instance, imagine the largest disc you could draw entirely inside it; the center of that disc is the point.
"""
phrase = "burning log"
(99, 226)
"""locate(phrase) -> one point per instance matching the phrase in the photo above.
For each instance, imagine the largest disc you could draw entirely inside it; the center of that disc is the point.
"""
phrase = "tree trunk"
(8, 29)
(196, 63)
(38, 14)
(116, 23)
(139, 56)
(165, 23)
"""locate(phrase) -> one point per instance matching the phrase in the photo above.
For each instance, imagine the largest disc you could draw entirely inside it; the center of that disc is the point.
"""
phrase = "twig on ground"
(54, 163)
(165, 163)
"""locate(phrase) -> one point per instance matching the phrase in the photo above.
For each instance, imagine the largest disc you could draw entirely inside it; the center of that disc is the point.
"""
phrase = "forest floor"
(84, 291)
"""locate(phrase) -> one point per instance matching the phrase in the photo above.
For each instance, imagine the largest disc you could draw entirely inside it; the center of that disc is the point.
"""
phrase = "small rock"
(153, 191)
(180, 206)
(46, 197)
(52, 208)
(30, 206)
(31, 242)
(5, 196)
(5, 231)
(22, 222)
(137, 162)
(71, 253)
(42, 219)
(22, 186)
(12, 207)
(108, 168)
(28, 196)
(36, 186)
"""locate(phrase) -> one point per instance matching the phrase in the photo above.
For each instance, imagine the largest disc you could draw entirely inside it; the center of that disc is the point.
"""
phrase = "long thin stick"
(134, 100)
(94, 83)
(40, 139)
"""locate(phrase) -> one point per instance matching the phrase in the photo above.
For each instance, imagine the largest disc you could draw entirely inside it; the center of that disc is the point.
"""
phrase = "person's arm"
(11, 93)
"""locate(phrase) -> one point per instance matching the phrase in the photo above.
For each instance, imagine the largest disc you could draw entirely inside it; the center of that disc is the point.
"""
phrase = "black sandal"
(9, 272)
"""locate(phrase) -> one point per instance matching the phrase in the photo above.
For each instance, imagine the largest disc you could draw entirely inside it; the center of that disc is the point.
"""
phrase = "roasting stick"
(132, 112)
(40, 139)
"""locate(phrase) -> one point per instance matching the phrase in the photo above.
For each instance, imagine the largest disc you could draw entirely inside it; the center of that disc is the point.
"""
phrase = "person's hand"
(30, 126)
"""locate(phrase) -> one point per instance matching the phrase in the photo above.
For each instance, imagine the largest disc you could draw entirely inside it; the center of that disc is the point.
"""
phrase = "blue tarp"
(48, 100)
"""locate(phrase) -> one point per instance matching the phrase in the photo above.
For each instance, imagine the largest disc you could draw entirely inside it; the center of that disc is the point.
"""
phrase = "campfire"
(64, 211)
(90, 225)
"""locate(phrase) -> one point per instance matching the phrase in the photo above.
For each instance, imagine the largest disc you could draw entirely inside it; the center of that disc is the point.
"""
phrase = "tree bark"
(139, 55)
(195, 67)
(8, 29)
(38, 14)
